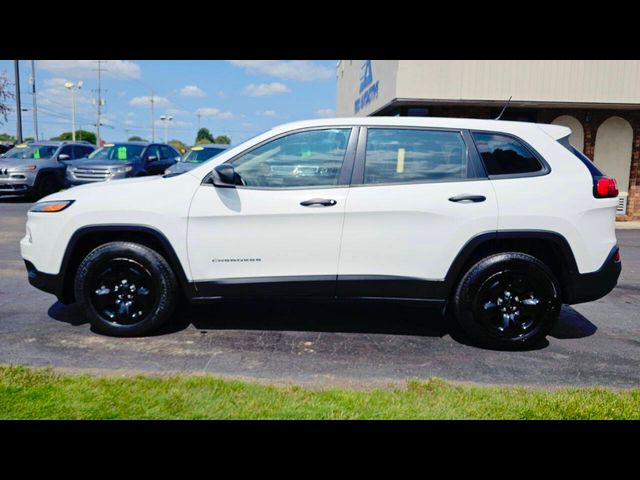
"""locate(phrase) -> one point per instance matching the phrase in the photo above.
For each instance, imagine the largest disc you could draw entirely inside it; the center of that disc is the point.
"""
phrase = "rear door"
(417, 197)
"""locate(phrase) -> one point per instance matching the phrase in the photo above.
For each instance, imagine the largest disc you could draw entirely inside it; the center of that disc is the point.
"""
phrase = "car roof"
(212, 145)
(555, 131)
(133, 142)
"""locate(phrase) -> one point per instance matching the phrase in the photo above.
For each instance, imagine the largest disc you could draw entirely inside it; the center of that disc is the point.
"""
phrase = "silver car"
(37, 169)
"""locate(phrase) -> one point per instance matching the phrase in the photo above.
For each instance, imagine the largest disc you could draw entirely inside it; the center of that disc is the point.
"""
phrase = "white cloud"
(177, 111)
(325, 113)
(192, 91)
(173, 123)
(263, 89)
(300, 70)
(116, 69)
(145, 101)
(214, 112)
(267, 113)
(220, 93)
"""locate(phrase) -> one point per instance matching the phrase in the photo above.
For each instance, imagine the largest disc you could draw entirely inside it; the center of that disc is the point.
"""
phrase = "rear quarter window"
(505, 155)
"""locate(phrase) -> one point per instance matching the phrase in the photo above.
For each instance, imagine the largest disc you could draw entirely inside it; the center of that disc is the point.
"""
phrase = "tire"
(125, 289)
(45, 185)
(508, 300)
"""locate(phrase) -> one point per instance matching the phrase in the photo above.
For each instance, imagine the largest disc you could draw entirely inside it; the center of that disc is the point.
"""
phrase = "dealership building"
(598, 100)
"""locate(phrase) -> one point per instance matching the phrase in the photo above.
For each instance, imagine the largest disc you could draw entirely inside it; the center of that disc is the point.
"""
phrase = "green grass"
(27, 393)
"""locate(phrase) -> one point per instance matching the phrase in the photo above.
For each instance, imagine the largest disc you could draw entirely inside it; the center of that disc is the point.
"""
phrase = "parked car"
(195, 156)
(37, 169)
(5, 147)
(115, 161)
(499, 221)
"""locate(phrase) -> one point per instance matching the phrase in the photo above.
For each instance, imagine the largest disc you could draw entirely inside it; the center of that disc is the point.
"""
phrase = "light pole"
(73, 87)
(165, 120)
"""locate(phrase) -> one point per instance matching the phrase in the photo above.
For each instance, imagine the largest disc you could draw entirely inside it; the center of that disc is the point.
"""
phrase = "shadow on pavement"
(332, 317)
(572, 325)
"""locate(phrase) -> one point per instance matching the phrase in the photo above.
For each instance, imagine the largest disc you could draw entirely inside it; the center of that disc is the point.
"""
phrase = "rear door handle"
(319, 202)
(466, 198)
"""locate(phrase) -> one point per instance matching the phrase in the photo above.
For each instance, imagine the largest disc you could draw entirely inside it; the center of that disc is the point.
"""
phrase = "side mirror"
(63, 156)
(224, 176)
(152, 158)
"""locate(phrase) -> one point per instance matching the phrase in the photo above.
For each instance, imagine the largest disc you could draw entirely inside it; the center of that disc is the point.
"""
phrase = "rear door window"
(505, 155)
(414, 156)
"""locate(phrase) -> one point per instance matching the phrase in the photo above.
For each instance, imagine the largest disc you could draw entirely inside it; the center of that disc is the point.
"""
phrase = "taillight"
(605, 188)
(616, 256)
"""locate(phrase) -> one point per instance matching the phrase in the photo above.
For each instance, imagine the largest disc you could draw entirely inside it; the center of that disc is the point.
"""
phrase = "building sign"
(368, 89)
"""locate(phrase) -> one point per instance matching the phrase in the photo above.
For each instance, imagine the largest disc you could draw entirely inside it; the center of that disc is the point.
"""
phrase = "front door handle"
(466, 198)
(319, 202)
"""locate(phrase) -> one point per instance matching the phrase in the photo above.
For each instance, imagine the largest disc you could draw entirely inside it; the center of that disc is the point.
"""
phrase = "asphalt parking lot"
(321, 344)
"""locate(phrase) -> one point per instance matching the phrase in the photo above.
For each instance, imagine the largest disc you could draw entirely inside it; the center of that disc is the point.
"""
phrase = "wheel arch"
(551, 248)
(85, 239)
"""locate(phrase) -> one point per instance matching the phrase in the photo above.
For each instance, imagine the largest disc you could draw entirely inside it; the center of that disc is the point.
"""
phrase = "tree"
(182, 148)
(136, 138)
(222, 139)
(80, 135)
(204, 136)
(5, 96)
(5, 137)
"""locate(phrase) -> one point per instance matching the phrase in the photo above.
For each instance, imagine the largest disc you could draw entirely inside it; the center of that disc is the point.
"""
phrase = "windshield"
(200, 154)
(31, 151)
(118, 152)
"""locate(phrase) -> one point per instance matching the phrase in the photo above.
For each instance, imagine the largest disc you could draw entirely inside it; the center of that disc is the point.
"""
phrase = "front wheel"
(125, 289)
(508, 300)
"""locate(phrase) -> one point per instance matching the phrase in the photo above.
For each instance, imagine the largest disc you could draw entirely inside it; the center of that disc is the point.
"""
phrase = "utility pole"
(73, 87)
(99, 70)
(199, 115)
(16, 65)
(153, 120)
(35, 103)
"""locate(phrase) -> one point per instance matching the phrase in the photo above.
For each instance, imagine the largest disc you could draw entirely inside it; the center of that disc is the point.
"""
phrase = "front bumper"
(46, 282)
(588, 287)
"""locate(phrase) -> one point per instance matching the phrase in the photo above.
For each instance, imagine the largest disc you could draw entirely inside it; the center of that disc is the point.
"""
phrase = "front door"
(278, 232)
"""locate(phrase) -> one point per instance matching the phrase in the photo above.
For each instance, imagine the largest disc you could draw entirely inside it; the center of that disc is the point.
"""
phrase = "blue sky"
(238, 98)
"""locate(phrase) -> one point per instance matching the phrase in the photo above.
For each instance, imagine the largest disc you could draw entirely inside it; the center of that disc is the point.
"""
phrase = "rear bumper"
(588, 287)
(46, 282)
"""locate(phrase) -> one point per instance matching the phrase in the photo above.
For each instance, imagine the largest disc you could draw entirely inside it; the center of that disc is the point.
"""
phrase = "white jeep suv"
(502, 221)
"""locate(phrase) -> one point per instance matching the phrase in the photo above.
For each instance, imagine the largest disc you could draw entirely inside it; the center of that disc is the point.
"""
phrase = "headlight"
(167, 171)
(26, 168)
(126, 169)
(51, 206)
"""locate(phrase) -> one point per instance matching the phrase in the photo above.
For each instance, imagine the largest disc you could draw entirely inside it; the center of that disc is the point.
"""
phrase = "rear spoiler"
(555, 131)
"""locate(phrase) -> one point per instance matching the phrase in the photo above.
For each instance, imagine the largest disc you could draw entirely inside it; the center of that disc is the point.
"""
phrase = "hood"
(19, 162)
(181, 167)
(99, 163)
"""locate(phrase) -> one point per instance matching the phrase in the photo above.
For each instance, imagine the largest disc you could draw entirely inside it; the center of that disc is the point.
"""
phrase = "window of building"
(503, 155)
(411, 155)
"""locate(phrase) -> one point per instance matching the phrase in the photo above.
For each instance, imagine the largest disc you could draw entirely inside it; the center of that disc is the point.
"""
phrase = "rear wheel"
(508, 300)
(125, 289)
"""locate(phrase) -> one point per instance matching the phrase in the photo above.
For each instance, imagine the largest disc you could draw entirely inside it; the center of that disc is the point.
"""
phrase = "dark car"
(114, 161)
